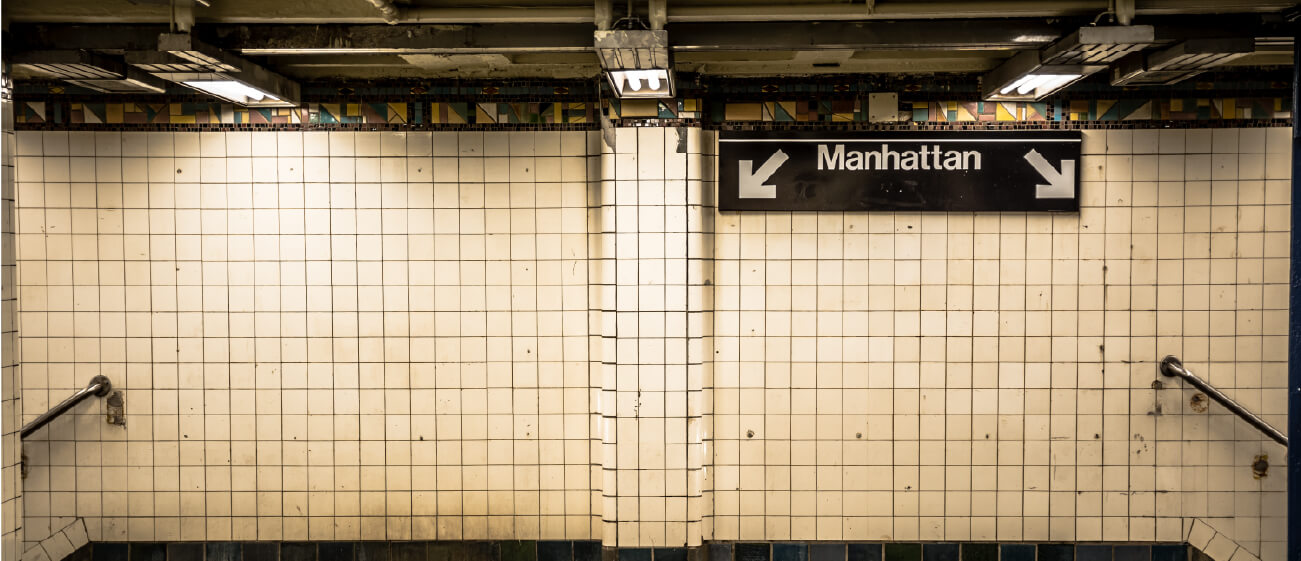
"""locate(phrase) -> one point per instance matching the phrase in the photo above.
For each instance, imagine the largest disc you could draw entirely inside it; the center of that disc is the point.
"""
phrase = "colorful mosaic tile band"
(852, 110)
(54, 112)
(688, 108)
(1180, 109)
(803, 111)
(970, 111)
(495, 113)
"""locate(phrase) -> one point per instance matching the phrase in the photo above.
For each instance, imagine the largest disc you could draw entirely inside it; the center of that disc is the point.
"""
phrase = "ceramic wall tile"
(393, 335)
(1038, 360)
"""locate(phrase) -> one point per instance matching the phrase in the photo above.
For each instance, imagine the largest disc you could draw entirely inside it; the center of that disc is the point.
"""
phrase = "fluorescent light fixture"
(641, 83)
(1024, 78)
(187, 48)
(1179, 62)
(1034, 75)
(1098, 45)
(94, 71)
(185, 60)
(636, 62)
(1033, 83)
(234, 91)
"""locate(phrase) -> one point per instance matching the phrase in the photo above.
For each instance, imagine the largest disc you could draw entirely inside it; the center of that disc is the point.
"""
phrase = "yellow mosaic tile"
(1104, 105)
(397, 112)
(639, 108)
(743, 112)
(1143, 112)
(483, 116)
(1004, 112)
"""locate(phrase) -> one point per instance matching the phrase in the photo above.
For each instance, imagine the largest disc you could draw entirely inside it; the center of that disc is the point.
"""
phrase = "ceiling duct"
(1178, 62)
(183, 59)
(1033, 75)
(91, 71)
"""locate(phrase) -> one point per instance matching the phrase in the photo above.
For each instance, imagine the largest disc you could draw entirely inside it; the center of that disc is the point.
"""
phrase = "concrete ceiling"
(348, 39)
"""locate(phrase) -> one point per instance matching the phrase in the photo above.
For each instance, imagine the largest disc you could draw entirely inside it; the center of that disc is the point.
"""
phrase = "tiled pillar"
(10, 406)
(652, 274)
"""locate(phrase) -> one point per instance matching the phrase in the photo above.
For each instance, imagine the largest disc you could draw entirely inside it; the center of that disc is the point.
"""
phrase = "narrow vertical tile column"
(1294, 321)
(653, 275)
(10, 407)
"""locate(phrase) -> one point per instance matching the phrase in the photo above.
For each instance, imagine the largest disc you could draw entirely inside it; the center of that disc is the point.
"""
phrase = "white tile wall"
(653, 219)
(989, 376)
(320, 335)
(11, 505)
(541, 335)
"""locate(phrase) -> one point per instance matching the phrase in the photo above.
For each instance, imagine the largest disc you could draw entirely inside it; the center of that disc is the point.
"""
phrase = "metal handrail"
(99, 386)
(1172, 366)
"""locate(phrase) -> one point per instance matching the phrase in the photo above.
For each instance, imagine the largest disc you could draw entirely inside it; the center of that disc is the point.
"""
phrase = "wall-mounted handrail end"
(105, 385)
(1171, 366)
(99, 386)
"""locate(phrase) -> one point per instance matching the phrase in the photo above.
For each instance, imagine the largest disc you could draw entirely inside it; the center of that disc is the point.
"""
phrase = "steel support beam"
(938, 10)
(289, 39)
(540, 14)
(357, 11)
(361, 39)
(948, 34)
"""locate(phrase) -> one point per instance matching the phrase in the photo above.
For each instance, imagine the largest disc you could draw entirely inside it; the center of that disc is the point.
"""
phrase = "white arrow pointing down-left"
(751, 184)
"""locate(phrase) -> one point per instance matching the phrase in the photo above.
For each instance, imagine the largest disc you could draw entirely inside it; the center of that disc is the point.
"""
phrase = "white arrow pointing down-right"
(1060, 185)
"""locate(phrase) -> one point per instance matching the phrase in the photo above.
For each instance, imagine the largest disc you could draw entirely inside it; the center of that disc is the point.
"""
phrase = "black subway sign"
(1027, 171)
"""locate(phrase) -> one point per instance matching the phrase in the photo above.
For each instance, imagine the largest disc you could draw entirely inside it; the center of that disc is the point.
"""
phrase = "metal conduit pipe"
(957, 10)
(548, 14)
(894, 9)
(603, 14)
(846, 11)
(884, 10)
(657, 13)
(388, 10)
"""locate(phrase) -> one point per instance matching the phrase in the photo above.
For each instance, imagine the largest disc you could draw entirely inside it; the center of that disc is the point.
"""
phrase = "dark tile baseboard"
(592, 551)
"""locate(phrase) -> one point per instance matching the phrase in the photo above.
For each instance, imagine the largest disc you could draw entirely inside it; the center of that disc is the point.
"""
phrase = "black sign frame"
(919, 171)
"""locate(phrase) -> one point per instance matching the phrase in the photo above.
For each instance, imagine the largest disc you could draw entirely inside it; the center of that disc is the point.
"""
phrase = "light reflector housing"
(636, 62)
(1179, 62)
(187, 61)
(234, 91)
(91, 70)
(1098, 45)
(641, 83)
(1034, 75)
(1024, 78)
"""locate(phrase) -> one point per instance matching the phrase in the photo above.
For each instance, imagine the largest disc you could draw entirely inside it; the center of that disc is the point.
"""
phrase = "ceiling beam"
(369, 39)
(949, 34)
(291, 39)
